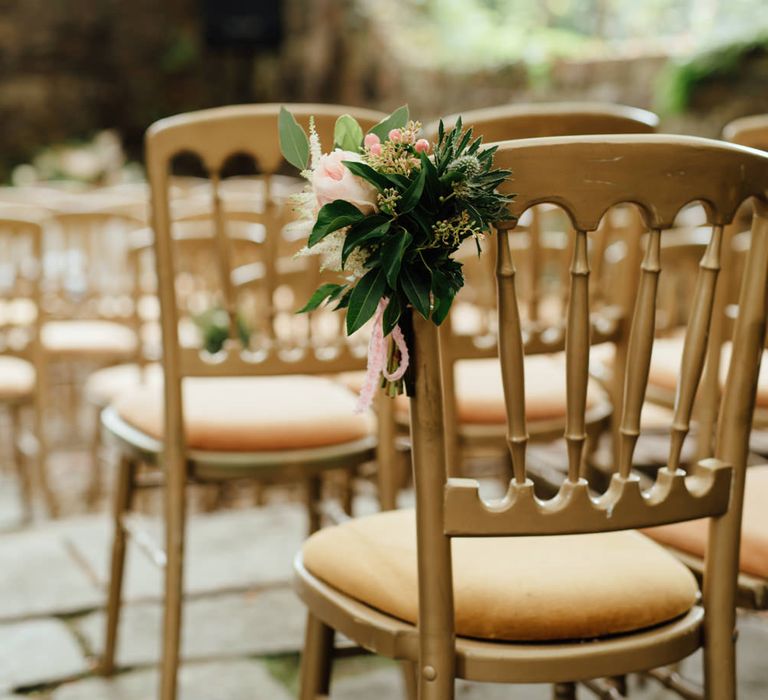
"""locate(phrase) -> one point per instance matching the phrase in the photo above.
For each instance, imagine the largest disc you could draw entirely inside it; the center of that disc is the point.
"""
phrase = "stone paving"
(243, 624)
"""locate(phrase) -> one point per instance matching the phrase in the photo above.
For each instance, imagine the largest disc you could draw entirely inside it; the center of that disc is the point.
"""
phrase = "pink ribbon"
(377, 359)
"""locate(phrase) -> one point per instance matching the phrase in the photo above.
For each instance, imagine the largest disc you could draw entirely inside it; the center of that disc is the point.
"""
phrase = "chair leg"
(175, 495)
(317, 660)
(123, 493)
(95, 486)
(348, 490)
(564, 691)
(41, 402)
(20, 464)
(314, 488)
(410, 683)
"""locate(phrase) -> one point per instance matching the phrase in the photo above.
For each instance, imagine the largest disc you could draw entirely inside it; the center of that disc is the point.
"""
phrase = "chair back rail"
(748, 131)
(553, 119)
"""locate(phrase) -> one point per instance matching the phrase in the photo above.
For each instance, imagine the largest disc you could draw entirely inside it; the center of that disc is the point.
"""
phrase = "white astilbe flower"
(315, 150)
(329, 250)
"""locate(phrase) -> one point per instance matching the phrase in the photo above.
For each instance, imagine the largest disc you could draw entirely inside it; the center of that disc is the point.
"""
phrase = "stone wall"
(71, 67)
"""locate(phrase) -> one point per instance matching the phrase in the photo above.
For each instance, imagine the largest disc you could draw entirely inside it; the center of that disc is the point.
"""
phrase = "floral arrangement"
(388, 210)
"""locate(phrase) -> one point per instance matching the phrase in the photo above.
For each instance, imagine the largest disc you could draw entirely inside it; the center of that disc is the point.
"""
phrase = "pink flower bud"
(421, 146)
(395, 135)
(375, 149)
(371, 140)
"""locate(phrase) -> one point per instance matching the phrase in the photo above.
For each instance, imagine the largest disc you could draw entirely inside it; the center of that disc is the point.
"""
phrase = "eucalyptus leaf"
(365, 298)
(397, 120)
(347, 134)
(294, 143)
(332, 217)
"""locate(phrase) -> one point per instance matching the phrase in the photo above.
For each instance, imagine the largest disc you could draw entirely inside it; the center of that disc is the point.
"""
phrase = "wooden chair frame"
(659, 174)
(214, 135)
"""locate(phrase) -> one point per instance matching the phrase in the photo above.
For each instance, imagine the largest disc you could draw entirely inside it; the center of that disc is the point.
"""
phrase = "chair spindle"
(511, 357)
(639, 354)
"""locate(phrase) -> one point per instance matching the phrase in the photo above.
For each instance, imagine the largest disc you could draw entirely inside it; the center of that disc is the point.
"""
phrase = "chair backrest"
(215, 136)
(527, 121)
(21, 237)
(748, 131)
(586, 176)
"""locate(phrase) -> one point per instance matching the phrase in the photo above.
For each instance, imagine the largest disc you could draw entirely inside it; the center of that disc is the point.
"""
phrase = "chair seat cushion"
(88, 338)
(691, 536)
(103, 386)
(17, 378)
(665, 367)
(511, 588)
(480, 393)
(252, 414)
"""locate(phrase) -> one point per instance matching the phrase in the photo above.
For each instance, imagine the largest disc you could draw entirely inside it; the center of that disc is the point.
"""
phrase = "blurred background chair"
(466, 588)
(21, 240)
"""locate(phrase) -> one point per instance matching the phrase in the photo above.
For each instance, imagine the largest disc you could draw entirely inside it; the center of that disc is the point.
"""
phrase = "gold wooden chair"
(86, 305)
(21, 239)
(474, 401)
(522, 590)
(247, 410)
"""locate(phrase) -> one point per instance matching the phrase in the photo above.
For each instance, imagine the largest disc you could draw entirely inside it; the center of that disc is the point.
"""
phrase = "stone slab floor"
(243, 625)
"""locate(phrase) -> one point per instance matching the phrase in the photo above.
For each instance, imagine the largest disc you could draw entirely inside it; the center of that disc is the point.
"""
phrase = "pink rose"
(331, 180)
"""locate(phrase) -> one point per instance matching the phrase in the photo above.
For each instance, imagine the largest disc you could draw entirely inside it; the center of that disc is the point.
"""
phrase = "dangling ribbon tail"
(377, 359)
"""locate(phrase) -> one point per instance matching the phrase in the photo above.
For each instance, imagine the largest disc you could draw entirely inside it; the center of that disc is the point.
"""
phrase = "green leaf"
(379, 180)
(416, 288)
(391, 314)
(332, 217)
(348, 134)
(370, 228)
(392, 255)
(443, 292)
(397, 120)
(365, 298)
(327, 291)
(294, 143)
(412, 195)
(344, 301)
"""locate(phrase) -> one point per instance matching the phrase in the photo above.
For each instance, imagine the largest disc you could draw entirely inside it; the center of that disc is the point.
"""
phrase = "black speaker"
(243, 24)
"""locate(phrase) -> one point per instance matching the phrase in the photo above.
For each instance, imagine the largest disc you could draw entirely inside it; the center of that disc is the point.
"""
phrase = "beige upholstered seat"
(104, 385)
(88, 337)
(252, 414)
(665, 367)
(691, 536)
(511, 588)
(17, 378)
